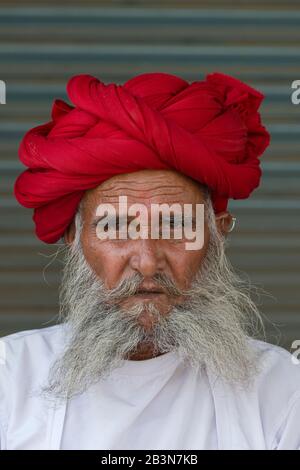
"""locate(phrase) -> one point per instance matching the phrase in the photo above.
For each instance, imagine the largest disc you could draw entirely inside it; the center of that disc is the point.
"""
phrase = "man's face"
(195, 305)
(116, 260)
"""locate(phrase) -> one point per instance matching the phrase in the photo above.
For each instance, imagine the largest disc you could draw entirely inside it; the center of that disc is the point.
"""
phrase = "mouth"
(149, 293)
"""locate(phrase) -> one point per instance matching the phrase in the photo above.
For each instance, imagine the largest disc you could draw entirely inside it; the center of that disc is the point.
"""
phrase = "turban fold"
(209, 130)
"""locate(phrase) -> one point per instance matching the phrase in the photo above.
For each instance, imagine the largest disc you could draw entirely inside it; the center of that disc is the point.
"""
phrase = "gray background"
(43, 43)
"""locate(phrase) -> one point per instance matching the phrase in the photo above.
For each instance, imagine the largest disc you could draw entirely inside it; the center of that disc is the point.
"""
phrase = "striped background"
(43, 44)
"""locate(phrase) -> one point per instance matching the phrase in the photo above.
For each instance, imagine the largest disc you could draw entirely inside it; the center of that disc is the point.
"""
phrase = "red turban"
(209, 130)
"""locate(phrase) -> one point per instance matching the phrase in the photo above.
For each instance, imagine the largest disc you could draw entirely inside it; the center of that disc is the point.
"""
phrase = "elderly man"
(155, 347)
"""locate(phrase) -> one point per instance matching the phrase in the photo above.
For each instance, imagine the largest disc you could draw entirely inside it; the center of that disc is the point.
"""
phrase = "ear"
(69, 234)
(225, 222)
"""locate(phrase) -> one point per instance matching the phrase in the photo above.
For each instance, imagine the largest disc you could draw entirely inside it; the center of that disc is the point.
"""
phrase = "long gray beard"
(209, 328)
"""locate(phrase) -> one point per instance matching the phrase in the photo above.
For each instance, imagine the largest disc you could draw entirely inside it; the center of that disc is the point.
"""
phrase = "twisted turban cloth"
(209, 130)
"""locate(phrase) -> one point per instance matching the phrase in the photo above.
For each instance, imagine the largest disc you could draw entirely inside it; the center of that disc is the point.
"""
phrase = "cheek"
(185, 264)
(105, 260)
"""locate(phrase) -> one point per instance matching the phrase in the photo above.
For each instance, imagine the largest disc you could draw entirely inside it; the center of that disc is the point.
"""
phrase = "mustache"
(131, 285)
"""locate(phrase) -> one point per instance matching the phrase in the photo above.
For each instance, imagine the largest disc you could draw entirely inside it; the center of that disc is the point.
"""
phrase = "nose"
(148, 257)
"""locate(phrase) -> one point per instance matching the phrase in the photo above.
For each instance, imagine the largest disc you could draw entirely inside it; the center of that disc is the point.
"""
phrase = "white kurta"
(159, 403)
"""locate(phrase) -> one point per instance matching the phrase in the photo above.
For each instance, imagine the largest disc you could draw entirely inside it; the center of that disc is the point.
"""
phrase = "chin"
(147, 320)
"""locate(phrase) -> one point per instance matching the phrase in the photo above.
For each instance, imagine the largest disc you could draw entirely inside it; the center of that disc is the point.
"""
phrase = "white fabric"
(159, 403)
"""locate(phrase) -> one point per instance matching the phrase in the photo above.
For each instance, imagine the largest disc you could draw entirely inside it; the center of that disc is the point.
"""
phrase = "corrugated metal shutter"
(42, 46)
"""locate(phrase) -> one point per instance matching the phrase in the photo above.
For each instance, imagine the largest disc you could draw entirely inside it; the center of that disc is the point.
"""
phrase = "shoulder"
(265, 413)
(276, 395)
(277, 368)
(31, 347)
(38, 335)
(25, 359)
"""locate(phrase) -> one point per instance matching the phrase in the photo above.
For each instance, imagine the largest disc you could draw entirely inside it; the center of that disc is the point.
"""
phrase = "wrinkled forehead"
(147, 187)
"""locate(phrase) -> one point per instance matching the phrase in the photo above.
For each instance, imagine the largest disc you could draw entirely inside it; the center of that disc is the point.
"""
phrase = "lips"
(146, 292)
(149, 291)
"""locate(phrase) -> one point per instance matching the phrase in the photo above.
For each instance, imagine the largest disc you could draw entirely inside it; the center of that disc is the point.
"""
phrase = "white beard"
(210, 328)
